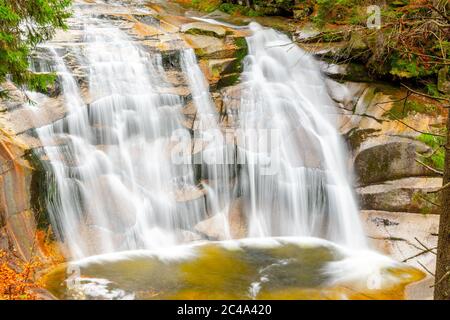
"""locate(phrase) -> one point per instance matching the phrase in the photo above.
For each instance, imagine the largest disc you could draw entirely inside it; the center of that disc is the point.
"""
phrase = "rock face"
(402, 195)
(19, 179)
(390, 160)
(390, 150)
(396, 166)
(407, 237)
(213, 227)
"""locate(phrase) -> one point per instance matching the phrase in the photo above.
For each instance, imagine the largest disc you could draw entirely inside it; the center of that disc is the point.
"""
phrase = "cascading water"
(116, 185)
(306, 191)
(217, 155)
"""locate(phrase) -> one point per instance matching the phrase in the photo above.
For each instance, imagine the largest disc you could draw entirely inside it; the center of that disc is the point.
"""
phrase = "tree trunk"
(442, 280)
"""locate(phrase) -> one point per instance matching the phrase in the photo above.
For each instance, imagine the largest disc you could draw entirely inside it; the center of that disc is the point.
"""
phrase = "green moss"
(426, 203)
(242, 48)
(401, 110)
(408, 68)
(203, 32)
(437, 158)
(332, 37)
(206, 5)
(236, 9)
(399, 3)
(41, 189)
(432, 89)
(334, 11)
(228, 80)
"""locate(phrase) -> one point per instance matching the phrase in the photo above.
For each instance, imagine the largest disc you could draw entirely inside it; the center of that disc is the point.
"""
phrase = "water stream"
(304, 188)
(121, 201)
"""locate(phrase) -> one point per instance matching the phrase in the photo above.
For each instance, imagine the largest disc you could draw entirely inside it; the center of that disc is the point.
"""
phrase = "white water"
(115, 184)
(305, 189)
(216, 156)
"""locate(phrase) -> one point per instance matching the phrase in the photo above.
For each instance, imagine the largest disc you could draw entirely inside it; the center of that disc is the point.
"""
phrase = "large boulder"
(216, 227)
(389, 160)
(405, 195)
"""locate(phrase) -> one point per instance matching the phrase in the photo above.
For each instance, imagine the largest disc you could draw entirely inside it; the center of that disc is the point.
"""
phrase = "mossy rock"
(228, 80)
(42, 188)
(356, 137)
(403, 109)
(354, 72)
(205, 29)
(389, 161)
(436, 158)
(171, 59)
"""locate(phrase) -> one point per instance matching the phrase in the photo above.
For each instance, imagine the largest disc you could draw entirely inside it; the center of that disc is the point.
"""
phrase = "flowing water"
(258, 268)
(121, 200)
(216, 157)
(116, 184)
(303, 187)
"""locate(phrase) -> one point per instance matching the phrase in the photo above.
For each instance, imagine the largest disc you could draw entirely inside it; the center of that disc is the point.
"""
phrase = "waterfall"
(295, 181)
(216, 157)
(116, 186)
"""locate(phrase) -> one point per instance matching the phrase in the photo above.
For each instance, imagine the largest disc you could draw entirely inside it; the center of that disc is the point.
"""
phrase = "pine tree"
(23, 25)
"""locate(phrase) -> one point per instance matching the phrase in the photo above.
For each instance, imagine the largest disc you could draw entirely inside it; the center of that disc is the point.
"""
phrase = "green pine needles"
(23, 25)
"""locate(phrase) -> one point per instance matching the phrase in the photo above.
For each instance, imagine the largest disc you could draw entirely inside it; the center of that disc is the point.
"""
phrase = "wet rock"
(406, 237)
(210, 47)
(145, 30)
(346, 94)
(302, 11)
(307, 32)
(23, 118)
(390, 160)
(203, 28)
(189, 194)
(21, 230)
(216, 226)
(220, 71)
(4, 241)
(186, 236)
(213, 228)
(120, 208)
(405, 195)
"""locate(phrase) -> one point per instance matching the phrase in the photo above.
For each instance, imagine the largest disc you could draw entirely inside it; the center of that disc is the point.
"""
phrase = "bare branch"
(430, 168)
(424, 94)
(440, 189)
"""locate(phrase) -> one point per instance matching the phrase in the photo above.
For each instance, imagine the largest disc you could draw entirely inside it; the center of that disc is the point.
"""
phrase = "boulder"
(216, 226)
(203, 28)
(405, 195)
(389, 160)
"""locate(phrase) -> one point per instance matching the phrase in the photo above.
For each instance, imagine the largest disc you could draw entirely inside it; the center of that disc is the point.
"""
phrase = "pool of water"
(268, 268)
